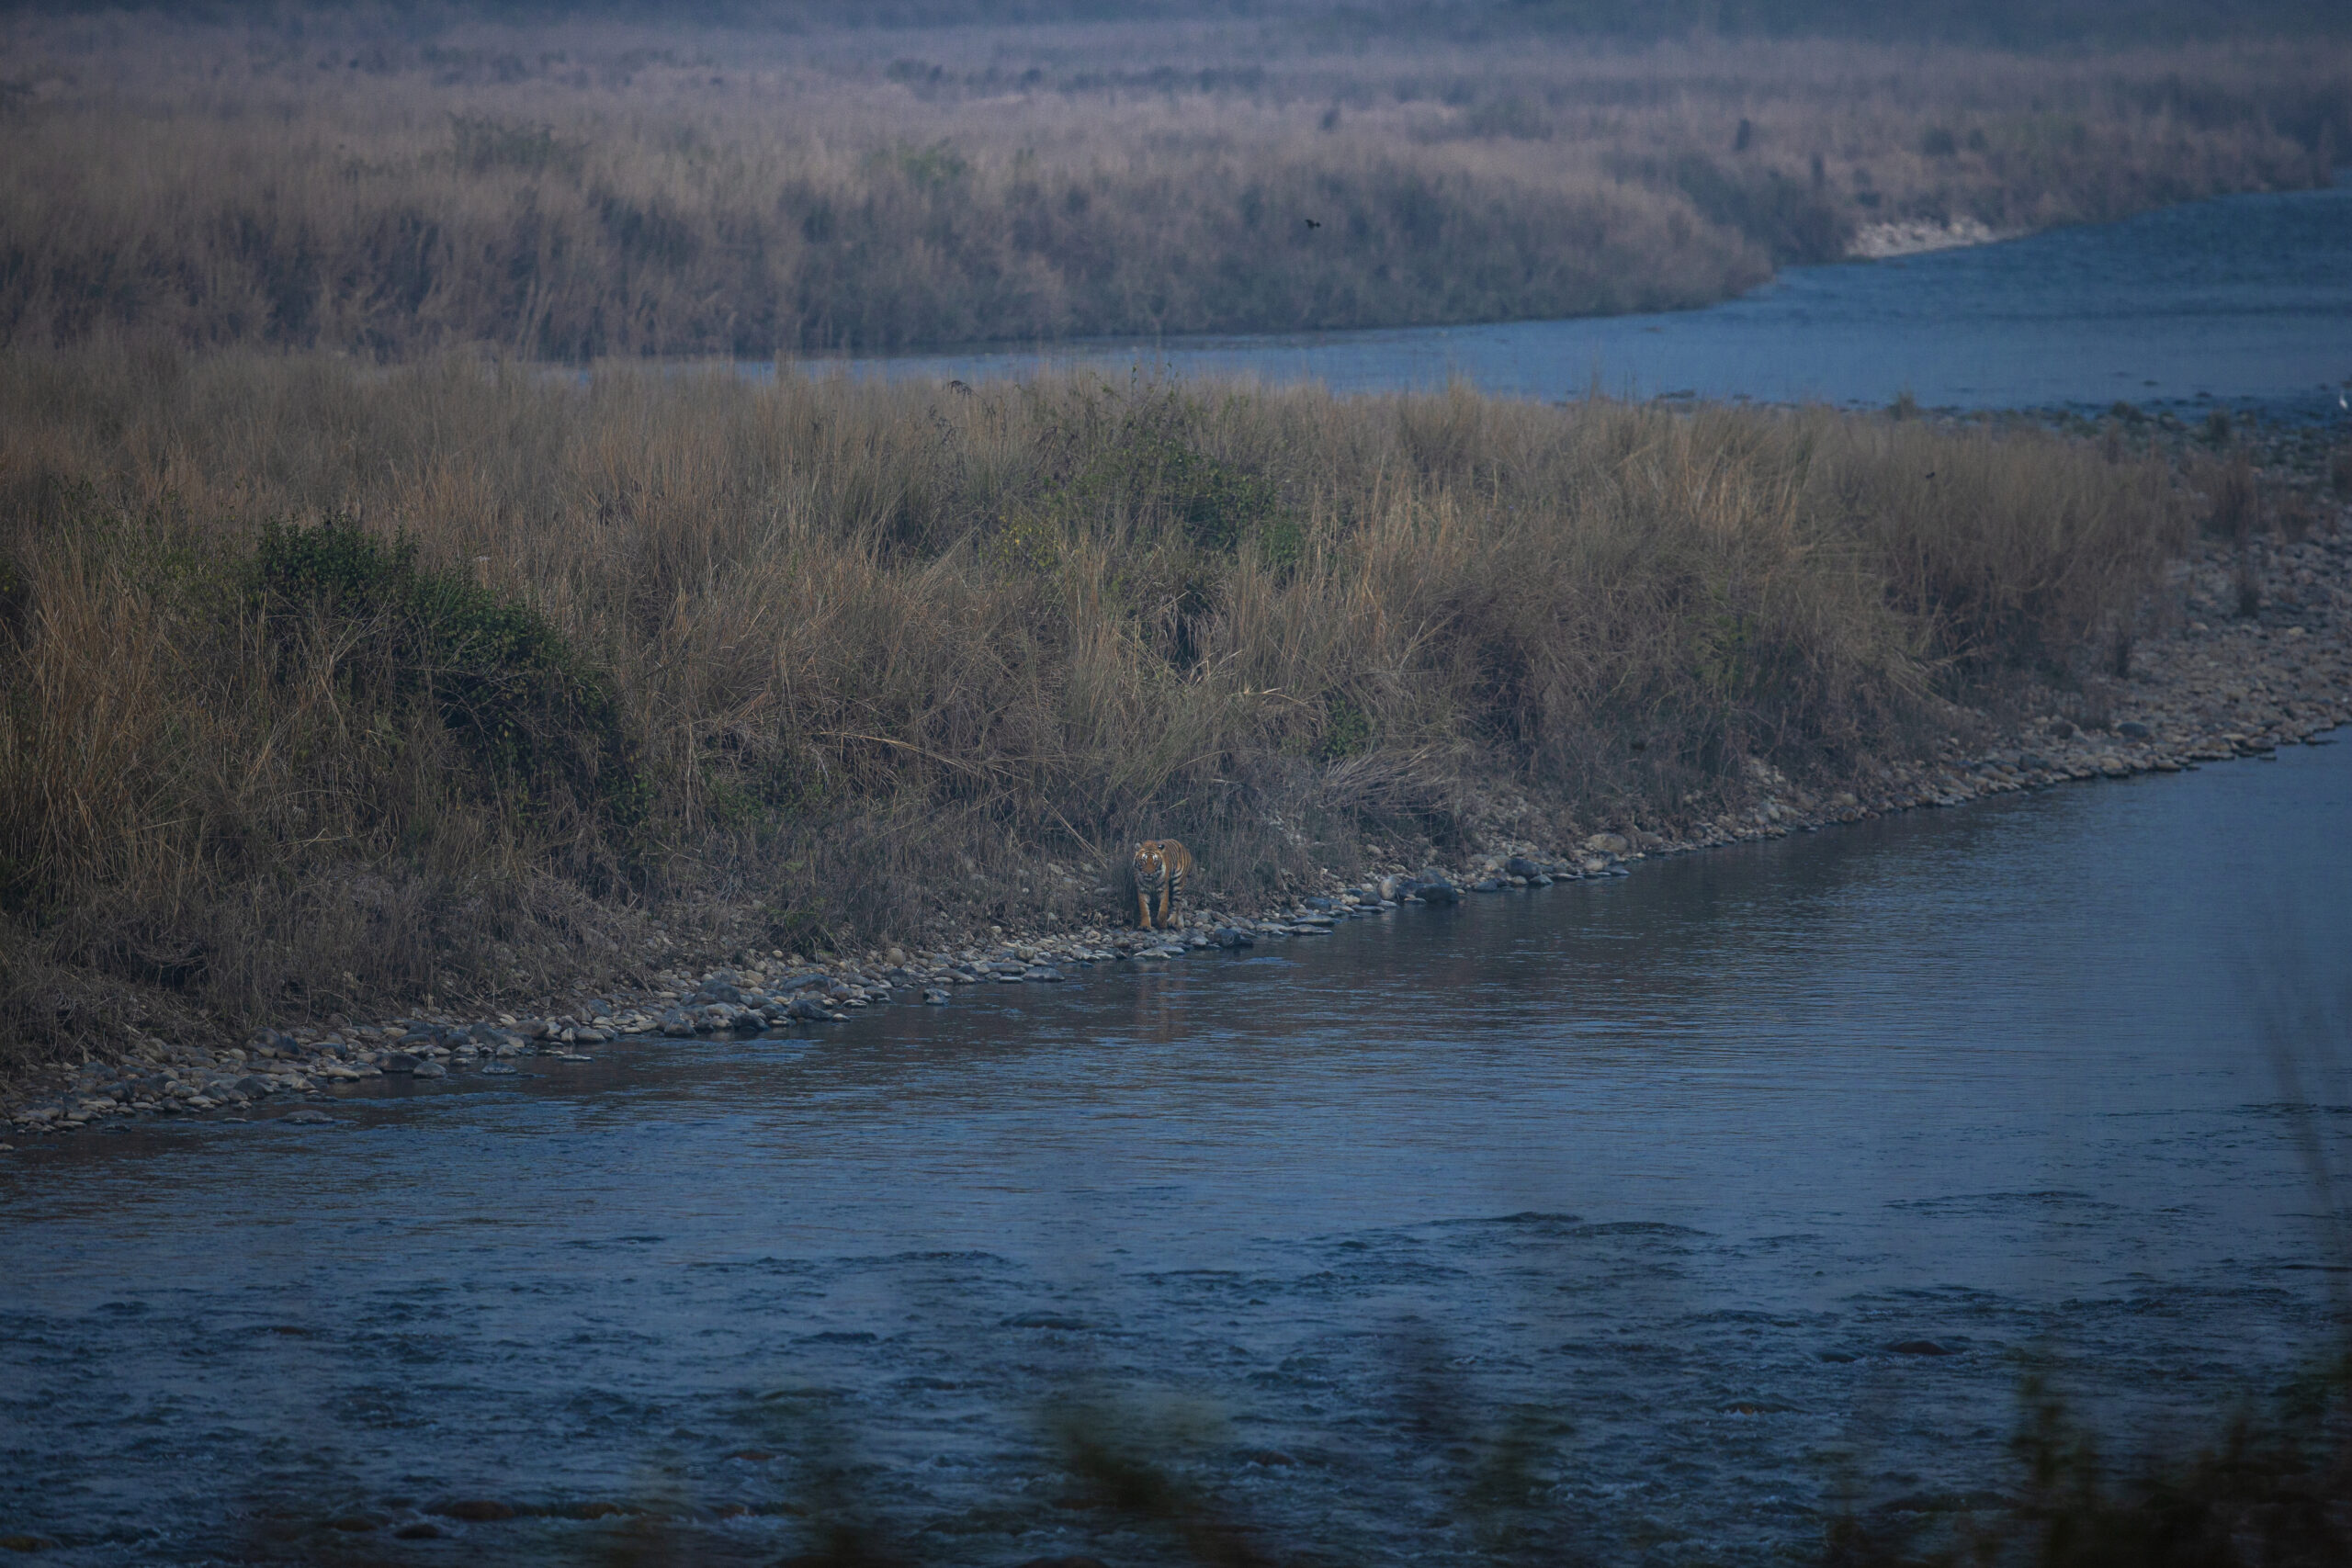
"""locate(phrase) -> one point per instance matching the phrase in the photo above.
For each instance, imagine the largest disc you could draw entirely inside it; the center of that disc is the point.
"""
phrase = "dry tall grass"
(874, 657)
(391, 182)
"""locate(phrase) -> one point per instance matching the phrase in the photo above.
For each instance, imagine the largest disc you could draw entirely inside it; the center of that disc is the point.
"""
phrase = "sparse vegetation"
(391, 182)
(322, 687)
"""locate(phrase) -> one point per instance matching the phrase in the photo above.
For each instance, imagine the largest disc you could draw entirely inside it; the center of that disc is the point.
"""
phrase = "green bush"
(537, 722)
(1141, 459)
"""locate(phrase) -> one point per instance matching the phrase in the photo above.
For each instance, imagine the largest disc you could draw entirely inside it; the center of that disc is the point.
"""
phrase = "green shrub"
(1347, 728)
(1140, 458)
(533, 716)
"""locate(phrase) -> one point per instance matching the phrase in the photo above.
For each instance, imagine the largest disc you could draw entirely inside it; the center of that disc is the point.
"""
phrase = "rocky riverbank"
(2251, 655)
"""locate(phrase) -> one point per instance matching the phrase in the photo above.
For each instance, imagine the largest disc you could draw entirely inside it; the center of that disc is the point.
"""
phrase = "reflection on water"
(2246, 299)
(1651, 1176)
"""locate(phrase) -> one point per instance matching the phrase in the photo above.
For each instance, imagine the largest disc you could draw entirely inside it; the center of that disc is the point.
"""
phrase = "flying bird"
(1315, 223)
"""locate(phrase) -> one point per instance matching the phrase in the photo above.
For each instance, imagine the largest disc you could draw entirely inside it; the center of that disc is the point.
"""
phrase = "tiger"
(1160, 866)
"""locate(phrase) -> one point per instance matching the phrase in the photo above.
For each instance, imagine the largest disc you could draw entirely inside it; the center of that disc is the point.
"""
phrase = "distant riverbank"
(391, 185)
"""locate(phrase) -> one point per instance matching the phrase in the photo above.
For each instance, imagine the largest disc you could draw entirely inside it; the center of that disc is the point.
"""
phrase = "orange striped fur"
(1160, 866)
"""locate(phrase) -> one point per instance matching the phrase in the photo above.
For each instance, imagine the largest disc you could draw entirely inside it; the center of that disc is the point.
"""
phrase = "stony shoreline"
(2256, 658)
(1921, 236)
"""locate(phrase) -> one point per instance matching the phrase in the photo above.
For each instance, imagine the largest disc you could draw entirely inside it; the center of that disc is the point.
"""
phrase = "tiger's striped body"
(1160, 866)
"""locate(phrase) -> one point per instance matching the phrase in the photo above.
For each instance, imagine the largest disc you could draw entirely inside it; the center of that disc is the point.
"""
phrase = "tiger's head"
(1151, 861)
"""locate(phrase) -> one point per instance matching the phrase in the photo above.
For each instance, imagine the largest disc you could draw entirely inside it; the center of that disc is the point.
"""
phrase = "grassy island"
(321, 685)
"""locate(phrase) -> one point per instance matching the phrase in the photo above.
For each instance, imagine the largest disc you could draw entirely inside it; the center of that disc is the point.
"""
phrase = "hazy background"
(751, 181)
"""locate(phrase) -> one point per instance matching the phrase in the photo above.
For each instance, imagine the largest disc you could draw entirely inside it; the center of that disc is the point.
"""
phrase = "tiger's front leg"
(1143, 908)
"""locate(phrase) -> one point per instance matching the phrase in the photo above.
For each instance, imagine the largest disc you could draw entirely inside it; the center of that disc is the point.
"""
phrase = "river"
(1642, 1180)
(2245, 301)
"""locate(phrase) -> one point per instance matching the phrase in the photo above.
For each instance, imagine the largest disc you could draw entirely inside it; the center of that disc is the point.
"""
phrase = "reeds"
(391, 183)
(325, 687)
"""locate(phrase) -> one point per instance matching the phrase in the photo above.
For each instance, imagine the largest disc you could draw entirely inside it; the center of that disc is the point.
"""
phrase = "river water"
(1581, 1220)
(2244, 301)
